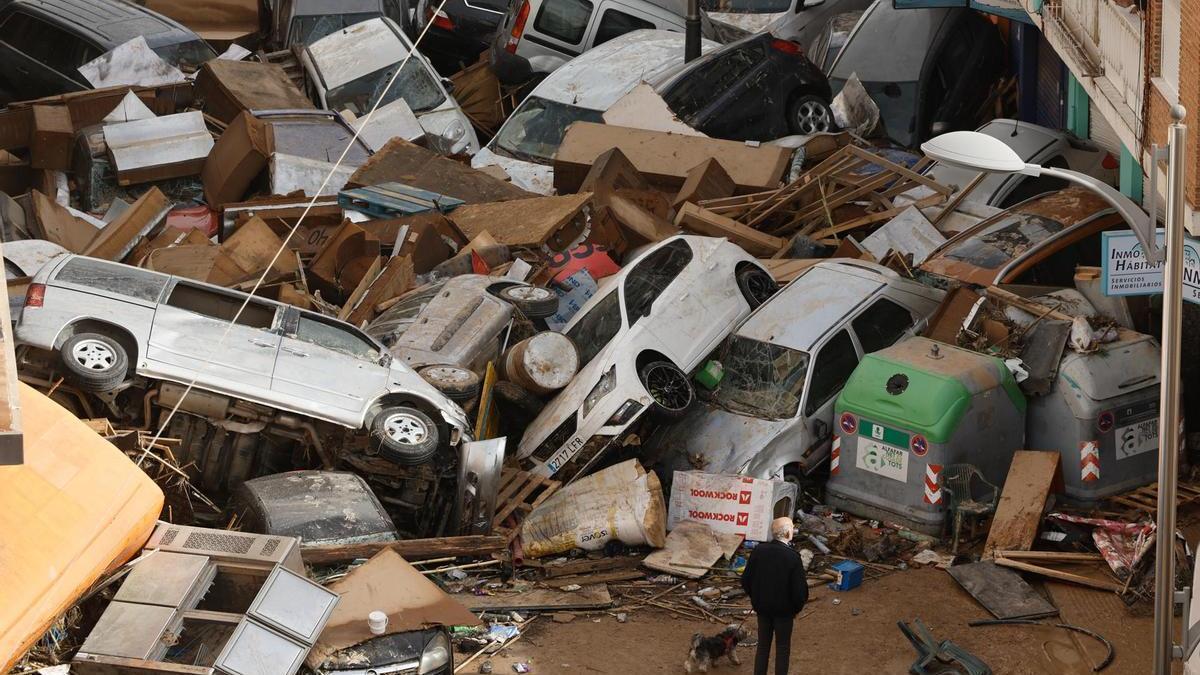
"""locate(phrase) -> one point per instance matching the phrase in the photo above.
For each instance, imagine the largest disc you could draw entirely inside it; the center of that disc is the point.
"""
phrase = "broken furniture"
(520, 493)
(936, 658)
(909, 411)
(225, 602)
(958, 482)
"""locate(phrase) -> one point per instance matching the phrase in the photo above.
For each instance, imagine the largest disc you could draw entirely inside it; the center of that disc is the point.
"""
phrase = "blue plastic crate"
(849, 573)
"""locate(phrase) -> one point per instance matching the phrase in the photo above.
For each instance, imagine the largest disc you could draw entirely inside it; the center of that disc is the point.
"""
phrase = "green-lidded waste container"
(907, 412)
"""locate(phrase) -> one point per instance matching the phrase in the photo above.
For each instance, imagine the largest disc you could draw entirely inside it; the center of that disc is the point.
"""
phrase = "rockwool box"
(734, 504)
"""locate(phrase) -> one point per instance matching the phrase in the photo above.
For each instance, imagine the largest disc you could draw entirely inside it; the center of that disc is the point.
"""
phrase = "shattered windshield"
(761, 379)
(186, 56)
(596, 328)
(414, 85)
(308, 29)
(1005, 240)
(536, 129)
(746, 6)
(393, 322)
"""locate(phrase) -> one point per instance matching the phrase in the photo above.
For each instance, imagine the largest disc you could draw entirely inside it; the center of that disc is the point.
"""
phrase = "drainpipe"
(691, 39)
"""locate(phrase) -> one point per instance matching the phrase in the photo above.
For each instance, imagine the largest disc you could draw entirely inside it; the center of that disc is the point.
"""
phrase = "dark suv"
(43, 42)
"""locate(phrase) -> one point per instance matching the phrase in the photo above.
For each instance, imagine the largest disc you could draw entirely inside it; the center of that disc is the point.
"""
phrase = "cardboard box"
(240, 154)
(226, 89)
(16, 176)
(53, 135)
(730, 504)
(665, 159)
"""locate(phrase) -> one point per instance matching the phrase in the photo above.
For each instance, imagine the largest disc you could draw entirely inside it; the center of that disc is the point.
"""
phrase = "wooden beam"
(412, 549)
(1060, 575)
(1054, 556)
(703, 221)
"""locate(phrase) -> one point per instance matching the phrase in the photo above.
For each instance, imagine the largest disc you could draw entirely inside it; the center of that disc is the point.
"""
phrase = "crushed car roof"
(355, 51)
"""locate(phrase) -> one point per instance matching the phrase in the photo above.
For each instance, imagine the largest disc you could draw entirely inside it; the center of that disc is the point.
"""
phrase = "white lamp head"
(975, 151)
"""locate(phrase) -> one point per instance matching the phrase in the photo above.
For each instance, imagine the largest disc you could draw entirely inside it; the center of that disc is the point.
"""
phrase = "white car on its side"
(639, 339)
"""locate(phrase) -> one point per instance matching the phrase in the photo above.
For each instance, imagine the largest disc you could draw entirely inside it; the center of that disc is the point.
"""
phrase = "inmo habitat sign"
(1126, 271)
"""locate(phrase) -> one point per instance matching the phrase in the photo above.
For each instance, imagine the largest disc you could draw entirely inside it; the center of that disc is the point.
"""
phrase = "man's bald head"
(782, 529)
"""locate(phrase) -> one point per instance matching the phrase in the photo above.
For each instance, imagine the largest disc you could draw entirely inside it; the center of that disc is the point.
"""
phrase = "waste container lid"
(924, 386)
(1117, 368)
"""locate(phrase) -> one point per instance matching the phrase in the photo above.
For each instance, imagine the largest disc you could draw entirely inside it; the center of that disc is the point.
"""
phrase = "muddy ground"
(856, 637)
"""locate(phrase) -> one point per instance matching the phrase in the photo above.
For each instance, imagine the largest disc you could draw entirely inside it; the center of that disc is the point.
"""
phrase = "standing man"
(778, 588)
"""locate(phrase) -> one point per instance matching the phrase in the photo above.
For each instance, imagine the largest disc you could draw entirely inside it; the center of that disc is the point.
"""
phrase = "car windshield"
(186, 56)
(897, 102)
(536, 129)
(746, 6)
(392, 323)
(597, 328)
(308, 29)
(761, 379)
(1003, 241)
(414, 85)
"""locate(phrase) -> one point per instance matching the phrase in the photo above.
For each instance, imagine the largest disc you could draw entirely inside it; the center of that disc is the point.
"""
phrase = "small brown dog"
(706, 650)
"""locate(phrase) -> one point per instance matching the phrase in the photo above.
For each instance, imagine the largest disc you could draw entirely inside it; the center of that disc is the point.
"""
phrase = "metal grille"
(168, 537)
(215, 541)
(270, 547)
(556, 439)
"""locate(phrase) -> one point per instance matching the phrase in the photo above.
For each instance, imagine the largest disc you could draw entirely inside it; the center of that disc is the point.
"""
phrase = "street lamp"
(980, 152)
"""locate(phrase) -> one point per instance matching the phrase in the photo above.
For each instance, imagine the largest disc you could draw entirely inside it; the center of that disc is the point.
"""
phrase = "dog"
(706, 650)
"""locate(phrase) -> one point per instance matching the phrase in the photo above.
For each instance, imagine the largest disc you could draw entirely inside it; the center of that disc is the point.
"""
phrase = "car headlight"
(436, 654)
(455, 131)
(625, 413)
(607, 383)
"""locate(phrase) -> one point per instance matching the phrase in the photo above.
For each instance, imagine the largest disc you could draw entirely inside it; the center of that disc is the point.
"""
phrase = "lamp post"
(973, 150)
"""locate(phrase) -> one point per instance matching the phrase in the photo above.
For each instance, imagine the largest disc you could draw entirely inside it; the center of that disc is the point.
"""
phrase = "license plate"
(1136, 438)
(886, 460)
(564, 454)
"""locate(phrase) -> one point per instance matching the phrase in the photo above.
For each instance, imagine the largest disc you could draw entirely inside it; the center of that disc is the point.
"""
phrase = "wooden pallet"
(520, 492)
(1146, 498)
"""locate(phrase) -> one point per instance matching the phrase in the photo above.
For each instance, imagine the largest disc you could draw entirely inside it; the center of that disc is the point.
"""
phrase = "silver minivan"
(784, 366)
(107, 322)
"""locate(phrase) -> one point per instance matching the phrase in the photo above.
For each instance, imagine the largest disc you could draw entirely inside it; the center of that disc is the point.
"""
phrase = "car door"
(557, 33)
(186, 339)
(39, 58)
(674, 321)
(327, 364)
(834, 361)
(617, 19)
(881, 324)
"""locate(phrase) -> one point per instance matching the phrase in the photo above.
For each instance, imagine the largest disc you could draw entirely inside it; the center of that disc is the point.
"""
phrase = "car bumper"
(591, 440)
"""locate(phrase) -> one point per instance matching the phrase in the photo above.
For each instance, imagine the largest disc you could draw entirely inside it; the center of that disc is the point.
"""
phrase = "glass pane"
(881, 325)
(652, 275)
(308, 29)
(187, 56)
(339, 338)
(832, 368)
(1006, 239)
(697, 89)
(221, 306)
(615, 24)
(119, 279)
(566, 20)
(414, 85)
(762, 379)
(596, 328)
(534, 132)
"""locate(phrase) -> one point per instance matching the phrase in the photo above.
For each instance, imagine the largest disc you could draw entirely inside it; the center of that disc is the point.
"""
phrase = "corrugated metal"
(1101, 132)
(1051, 96)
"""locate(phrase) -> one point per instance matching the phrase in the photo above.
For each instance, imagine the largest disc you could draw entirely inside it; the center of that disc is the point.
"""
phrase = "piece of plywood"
(118, 237)
(525, 222)
(1015, 524)
(58, 225)
(706, 180)
(395, 279)
(253, 246)
(588, 597)
(702, 221)
(402, 162)
(691, 550)
(1001, 591)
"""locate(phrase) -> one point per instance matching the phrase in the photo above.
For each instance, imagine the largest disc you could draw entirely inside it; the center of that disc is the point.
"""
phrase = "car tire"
(519, 398)
(669, 388)
(404, 435)
(458, 384)
(810, 114)
(534, 302)
(756, 285)
(95, 362)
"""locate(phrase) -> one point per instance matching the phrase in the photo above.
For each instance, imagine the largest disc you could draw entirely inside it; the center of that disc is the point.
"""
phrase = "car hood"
(715, 440)
(749, 22)
(537, 178)
(380, 652)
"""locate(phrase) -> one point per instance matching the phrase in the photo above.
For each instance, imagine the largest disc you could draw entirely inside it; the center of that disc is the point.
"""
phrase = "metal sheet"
(159, 142)
(293, 604)
(168, 579)
(1001, 591)
(254, 649)
(290, 173)
(130, 630)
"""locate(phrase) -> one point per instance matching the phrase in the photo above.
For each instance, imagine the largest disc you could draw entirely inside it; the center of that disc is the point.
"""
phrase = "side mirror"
(820, 429)
(811, 3)
(449, 83)
(385, 360)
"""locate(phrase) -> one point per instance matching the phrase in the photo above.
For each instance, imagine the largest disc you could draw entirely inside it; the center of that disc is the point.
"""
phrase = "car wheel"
(534, 302)
(810, 115)
(519, 398)
(668, 386)
(97, 363)
(756, 285)
(458, 384)
(405, 435)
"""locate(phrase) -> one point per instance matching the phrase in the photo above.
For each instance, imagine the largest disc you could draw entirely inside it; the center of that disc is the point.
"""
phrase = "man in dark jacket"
(778, 588)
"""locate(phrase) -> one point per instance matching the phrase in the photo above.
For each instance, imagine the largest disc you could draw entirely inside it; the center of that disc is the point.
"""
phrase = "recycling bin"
(909, 411)
(1101, 416)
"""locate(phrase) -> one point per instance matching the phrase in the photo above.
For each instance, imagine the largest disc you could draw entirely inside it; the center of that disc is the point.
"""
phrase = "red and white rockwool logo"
(709, 515)
(714, 494)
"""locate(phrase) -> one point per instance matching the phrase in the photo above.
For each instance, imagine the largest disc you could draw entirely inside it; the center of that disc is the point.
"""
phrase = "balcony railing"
(1106, 40)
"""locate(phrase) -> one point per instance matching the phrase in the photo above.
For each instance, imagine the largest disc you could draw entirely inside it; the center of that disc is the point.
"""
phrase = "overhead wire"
(291, 232)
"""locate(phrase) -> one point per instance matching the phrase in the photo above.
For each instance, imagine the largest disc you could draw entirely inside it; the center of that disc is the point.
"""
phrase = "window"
(833, 365)
(187, 56)
(414, 84)
(699, 87)
(652, 275)
(308, 29)
(761, 379)
(48, 44)
(336, 336)
(565, 20)
(119, 279)
(1169, 61)
(534, 132)
(615, 24)
(597, 328)
(881, 325)
(222, 306)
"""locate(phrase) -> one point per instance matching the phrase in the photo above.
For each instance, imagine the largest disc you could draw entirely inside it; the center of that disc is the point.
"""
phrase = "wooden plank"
(702, 221)
(1001, 591)
(1060, 575)
(525, 222)
(901, 170)
(849, 225)
(585, 566)
(1055, 556)
(588, 597)
(611, 576)
(411, 549)
(1026, 488)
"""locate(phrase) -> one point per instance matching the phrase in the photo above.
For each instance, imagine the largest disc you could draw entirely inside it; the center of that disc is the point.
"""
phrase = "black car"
(460, 30)
(43, 42)
(756, 89)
